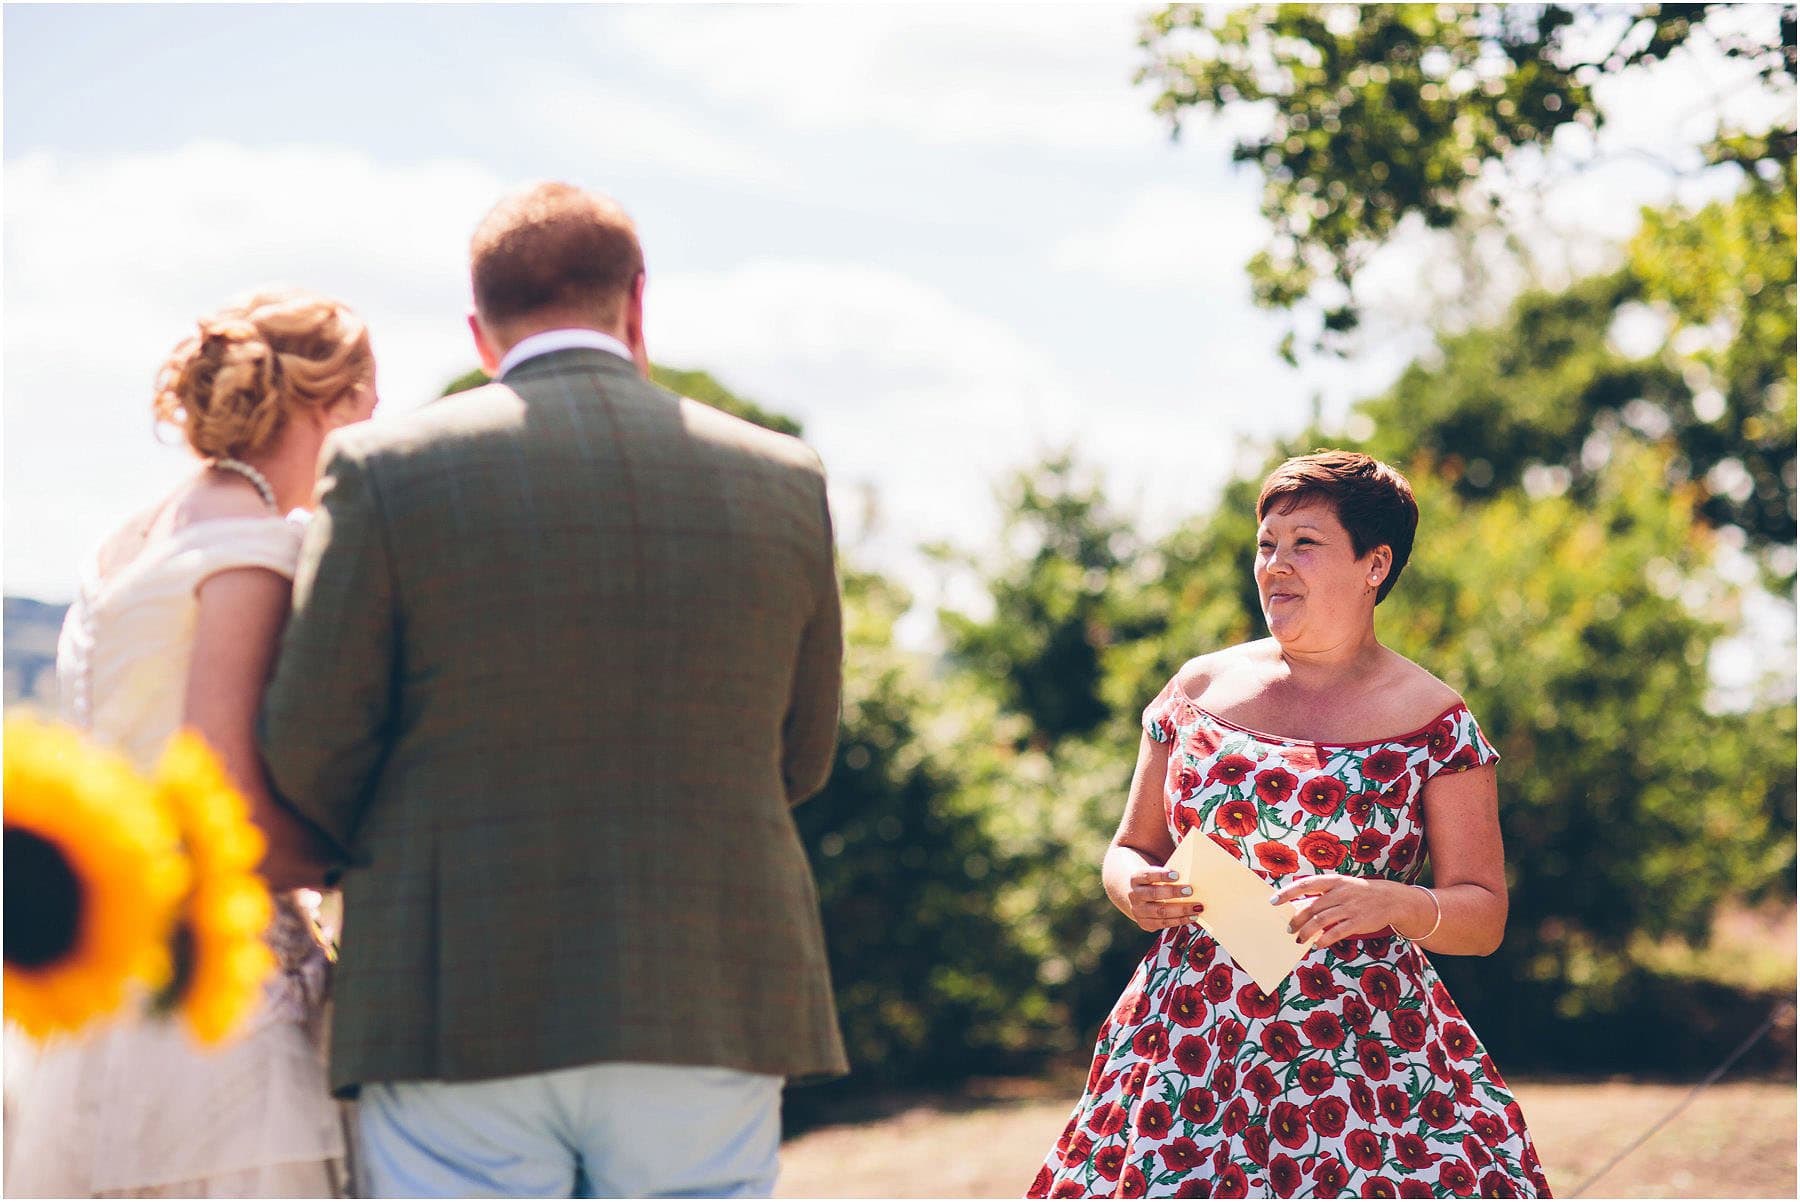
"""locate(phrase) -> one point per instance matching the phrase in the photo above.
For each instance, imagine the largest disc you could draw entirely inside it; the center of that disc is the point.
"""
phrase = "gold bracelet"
(1436, 905)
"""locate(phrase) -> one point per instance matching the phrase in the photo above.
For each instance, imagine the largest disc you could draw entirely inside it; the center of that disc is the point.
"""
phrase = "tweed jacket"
(564, 652)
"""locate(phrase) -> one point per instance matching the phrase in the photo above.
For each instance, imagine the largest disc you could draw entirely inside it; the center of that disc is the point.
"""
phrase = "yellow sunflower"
(94, 872)
(220, 956)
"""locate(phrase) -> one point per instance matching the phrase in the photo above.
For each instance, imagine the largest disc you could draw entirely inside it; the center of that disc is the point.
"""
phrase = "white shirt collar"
(561, 340)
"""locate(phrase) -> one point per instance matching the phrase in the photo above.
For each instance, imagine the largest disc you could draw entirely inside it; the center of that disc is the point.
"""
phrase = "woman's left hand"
(1344, 907)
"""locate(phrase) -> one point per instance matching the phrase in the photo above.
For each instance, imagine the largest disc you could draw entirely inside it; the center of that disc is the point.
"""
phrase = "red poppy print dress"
(1358, 1076)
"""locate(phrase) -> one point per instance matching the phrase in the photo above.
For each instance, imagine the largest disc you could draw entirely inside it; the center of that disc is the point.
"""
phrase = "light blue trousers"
(600, 1131)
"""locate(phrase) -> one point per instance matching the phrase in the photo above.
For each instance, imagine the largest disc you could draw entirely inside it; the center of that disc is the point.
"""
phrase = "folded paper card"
(1238, 913)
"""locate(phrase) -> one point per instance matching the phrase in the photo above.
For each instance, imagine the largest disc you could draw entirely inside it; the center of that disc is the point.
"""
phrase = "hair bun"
(232, 384)
(223, 388)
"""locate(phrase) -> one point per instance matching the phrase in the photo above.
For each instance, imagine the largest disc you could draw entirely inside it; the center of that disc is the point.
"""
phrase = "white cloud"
(908, 394)
(1172, 237)
(910, 397)
(1048, 75)
(619, 131)
(927, 405)
(829, 317)
(109, 261)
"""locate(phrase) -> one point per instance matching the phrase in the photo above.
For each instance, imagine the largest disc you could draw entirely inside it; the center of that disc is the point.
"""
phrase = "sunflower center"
(43, 901)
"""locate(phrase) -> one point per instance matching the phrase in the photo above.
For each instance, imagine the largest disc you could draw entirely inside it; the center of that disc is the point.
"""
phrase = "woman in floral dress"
(1358, 1076)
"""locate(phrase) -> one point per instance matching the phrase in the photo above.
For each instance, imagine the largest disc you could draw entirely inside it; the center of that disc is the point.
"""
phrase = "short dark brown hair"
(553, 246)
(1372, 500)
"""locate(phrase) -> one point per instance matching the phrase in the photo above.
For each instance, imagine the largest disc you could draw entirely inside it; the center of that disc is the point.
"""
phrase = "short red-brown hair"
(1373, 502)
(553, 246)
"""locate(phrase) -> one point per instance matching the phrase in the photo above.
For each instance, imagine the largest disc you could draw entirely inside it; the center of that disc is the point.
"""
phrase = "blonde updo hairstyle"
(231, 386)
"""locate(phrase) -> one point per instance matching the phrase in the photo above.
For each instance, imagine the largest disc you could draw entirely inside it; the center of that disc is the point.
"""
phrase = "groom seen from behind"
(565, 650)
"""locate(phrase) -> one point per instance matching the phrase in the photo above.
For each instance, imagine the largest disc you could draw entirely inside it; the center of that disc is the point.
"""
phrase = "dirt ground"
(1737, 1140)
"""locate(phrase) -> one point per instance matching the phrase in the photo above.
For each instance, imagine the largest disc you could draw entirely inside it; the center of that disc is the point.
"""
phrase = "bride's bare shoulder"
(197, 499)
(127, 539)
(210, 499)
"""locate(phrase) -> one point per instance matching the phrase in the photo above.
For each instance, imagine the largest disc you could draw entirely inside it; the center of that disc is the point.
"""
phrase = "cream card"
(1238, 913)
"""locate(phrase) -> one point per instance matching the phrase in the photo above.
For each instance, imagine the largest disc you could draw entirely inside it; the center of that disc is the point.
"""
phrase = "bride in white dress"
(176, 624)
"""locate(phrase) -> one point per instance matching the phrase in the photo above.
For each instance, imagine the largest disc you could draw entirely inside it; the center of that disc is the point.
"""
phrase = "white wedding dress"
(137, 1107)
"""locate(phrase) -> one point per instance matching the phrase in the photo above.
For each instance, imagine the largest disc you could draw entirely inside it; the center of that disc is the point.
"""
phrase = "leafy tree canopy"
(700, 386)
(1040, 649)
(930, 981)
(1544, 393)
(1381, 112)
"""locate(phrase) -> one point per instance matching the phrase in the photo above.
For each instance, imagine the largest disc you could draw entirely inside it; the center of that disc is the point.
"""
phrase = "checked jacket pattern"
(1358, 1076)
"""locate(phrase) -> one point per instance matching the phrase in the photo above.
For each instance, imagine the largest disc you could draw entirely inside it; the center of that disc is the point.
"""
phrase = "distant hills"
(31, 631)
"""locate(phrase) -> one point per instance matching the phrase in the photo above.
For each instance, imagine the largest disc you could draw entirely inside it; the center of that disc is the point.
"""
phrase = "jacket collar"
(548, 342)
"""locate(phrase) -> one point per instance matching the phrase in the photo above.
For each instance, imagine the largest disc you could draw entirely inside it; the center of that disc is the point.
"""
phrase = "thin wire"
(1775, 1015)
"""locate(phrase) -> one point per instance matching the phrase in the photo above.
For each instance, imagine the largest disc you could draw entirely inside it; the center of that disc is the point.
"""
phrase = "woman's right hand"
(1155, 903)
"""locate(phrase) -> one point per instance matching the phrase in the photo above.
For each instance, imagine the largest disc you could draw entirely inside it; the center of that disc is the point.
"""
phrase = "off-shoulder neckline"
(104, 587)
(1408, 737)
(248, 519)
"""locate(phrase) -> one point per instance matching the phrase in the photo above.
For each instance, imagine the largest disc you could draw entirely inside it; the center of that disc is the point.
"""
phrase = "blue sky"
(948, 238)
